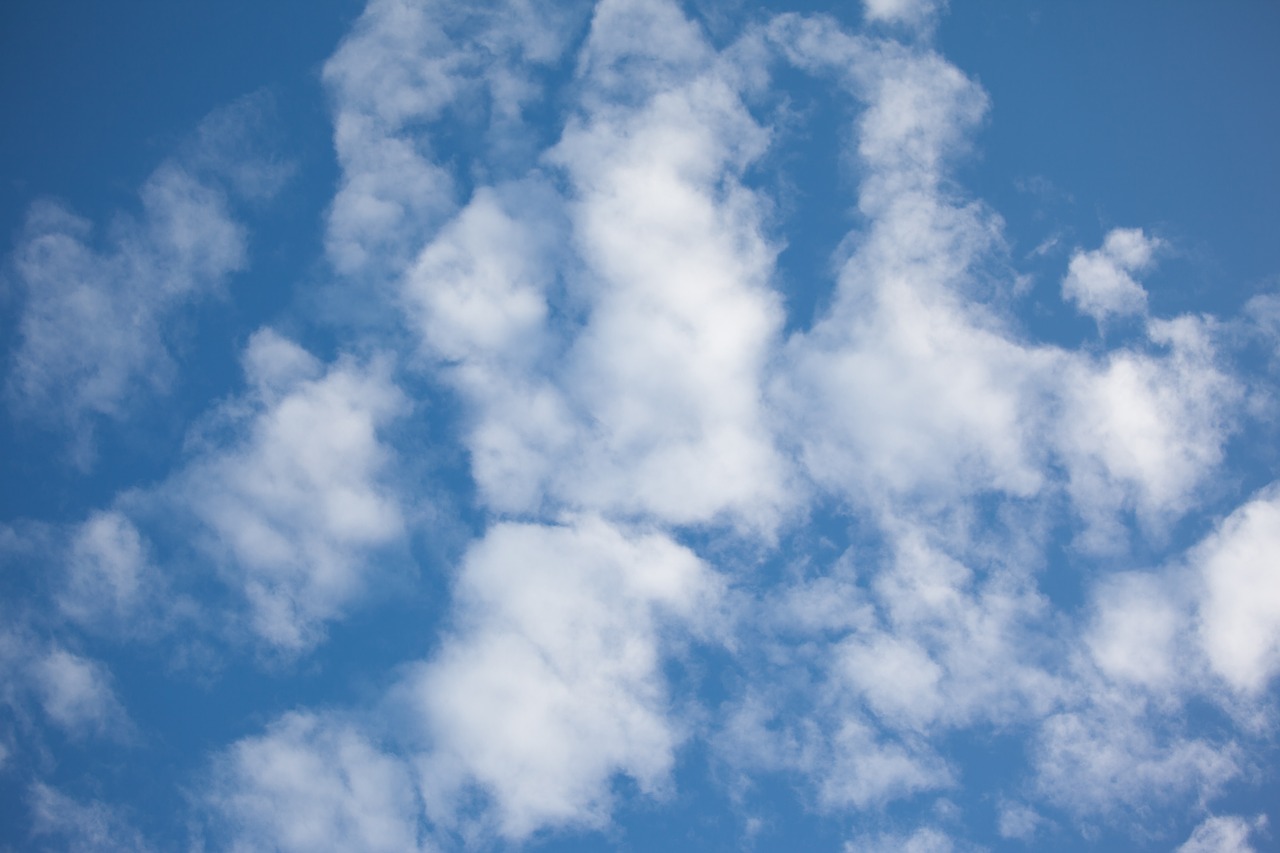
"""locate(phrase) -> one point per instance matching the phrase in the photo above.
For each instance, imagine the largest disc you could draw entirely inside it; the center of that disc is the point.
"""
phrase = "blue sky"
(639, 425)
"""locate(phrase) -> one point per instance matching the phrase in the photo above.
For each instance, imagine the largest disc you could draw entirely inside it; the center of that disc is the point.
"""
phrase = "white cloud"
(866, 770)
(1100, 282)
(914, 13)
(91, 337)
(926, 839)
(1239, 618)
(1223, 834)
(1017, 821)
(1143, 431)
(299, 505)
(109, 573)
(1135, 636)
(314, 784)
(401, 70)
(1112, 759)
(552, 682)
(76, 694)
(654, 409)
(81, 827)
(680, 315)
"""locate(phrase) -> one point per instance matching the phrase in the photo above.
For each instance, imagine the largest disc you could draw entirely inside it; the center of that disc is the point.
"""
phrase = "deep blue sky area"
(403, 477)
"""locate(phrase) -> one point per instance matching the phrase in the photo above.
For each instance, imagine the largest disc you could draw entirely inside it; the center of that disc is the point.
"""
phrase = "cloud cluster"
(870, 519)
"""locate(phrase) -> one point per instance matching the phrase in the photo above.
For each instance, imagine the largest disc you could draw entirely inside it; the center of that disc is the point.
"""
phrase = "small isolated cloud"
(1100, 283)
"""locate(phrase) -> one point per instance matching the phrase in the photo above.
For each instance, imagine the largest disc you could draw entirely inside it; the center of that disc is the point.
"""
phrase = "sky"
(636, 425)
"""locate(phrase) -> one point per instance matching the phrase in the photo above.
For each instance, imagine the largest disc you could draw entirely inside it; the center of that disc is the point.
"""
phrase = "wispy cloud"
(94, 335)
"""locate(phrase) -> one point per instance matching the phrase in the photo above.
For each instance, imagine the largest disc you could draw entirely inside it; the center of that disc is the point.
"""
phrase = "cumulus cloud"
(914, 13)
(553, 681)
(1239, 617)
(394, 78)
(1100, 283)
(297, 504)
(312, 783)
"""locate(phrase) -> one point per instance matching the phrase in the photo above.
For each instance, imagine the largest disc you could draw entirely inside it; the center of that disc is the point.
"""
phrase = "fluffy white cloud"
(298, 504)
(314, 784)
(552, 682)
(1141, 431)
(1239, 617)
(910, 12)
(400, 71)
(1135, 636)
(653, 409)
(1100, 282)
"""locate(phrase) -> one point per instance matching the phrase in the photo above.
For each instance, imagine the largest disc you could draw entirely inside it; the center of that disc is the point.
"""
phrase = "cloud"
(606, 313)
(77, 695)
(914, 13)
(552, 682)
(653, 408)
(1142, 431)
(1224, 834)
(924, 840)
(1100, 282)
(1018, 821)
(91, 337)
(109, 575)
(1115, 758)
(397, 75)
(1239, 615)
(313, 783)
(94, 335)
(80, 826)
(296, 504)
